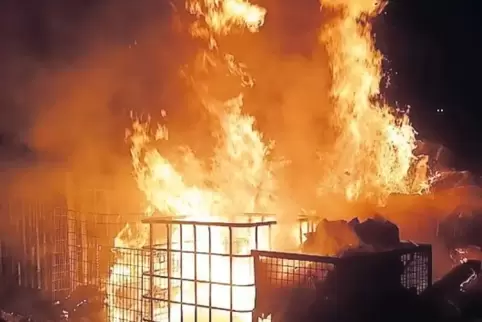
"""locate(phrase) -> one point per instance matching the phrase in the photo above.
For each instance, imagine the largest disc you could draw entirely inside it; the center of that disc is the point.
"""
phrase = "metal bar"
(29, 228)
(85, 247)
(169, 268)
(269, 238)
(37, 249)
(171, 220)
(203, 306)
(256, 246)
(428, 253)
(254, 315)
(200, 281)
(296, 256)
(174, 251)
(231, 274)
(210, 274)
(23, 270)
(151, 271)
(301, 231)
(195, 274)
(181, 271)
(45, 262)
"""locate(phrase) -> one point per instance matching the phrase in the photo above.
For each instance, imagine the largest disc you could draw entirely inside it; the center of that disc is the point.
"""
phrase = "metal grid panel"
(203, 271)
(34, 247)
(280, 270)
(418, 268)
(282, 276)
(125, 285)
(95, 261)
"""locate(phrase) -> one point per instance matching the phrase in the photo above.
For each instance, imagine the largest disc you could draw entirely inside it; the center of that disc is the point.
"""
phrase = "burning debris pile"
(341, 238)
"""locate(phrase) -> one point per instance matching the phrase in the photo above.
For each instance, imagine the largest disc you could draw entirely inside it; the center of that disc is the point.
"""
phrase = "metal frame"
(175, 252)
(33, 247)
(283, 273)
(93, 257)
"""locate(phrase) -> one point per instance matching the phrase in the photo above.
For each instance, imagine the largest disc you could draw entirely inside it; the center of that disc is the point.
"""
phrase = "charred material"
(330, 238)
(333, 238)
(452, 298)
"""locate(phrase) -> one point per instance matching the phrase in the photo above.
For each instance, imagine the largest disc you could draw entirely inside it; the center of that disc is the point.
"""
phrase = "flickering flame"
(373, 154)
(219, 17)
(371, 158)
(238, 180)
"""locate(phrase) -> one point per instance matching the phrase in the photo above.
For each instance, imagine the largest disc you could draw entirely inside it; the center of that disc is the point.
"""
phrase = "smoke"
(73, 71)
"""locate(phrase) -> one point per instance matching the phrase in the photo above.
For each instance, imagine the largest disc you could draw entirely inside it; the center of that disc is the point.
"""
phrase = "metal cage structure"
(282, 277)
(166, 268)
(203, 270)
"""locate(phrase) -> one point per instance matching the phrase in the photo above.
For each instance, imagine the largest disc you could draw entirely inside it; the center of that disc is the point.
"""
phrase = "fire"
(238, 180)
(373, 154)
(371, 158)
(219, 17)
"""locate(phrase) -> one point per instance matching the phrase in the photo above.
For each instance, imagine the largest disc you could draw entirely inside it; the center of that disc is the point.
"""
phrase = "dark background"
(433, 53)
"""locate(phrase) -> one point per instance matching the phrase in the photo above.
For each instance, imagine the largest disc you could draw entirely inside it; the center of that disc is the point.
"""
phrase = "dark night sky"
(433, 51)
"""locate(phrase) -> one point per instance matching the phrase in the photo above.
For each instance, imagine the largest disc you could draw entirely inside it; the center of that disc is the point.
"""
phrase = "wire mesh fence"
(34, 247)
(95, 259)
(48, 250)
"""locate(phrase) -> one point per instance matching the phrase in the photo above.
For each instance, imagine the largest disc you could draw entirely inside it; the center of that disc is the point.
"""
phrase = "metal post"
(231, 274)
(169, 268)
(301, 230)
(256, 246)
(210, 273)
(151, 271)
(181, 270)
(195, 274)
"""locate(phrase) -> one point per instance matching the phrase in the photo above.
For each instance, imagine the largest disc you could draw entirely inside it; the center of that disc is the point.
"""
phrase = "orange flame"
(371, 158)
(221, 16)
(240, 177)
(373, 153)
